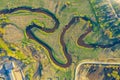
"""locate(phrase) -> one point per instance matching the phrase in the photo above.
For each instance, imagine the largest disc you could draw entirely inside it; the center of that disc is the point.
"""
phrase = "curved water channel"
(80, 41)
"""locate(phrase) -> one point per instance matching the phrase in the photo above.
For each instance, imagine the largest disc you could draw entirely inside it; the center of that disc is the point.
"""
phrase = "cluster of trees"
(4, 19)
(114, 74)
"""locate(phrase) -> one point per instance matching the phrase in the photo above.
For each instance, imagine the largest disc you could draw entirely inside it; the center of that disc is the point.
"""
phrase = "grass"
(24, 18)
(18, 54)
(78, 7)
(53, 41)
(64, 19)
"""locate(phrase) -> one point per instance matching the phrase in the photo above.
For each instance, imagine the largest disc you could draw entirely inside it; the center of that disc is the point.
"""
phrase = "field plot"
(101, 71)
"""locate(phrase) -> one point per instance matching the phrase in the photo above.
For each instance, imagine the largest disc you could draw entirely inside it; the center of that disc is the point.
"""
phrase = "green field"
(23, 18)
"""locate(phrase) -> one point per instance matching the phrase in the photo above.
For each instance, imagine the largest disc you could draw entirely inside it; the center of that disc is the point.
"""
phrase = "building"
(9, 66)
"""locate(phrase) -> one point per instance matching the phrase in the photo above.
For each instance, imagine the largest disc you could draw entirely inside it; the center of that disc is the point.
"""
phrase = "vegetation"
(38, 22)
(17, 54)
(2, 31)
(68, 10)
(114, 74)
(4, 19)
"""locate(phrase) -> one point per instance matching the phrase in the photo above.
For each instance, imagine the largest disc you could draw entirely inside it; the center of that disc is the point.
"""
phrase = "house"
(9, 66)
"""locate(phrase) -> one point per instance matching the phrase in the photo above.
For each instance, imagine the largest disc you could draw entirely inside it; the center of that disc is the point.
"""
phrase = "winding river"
(80, 41)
